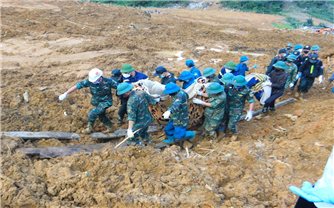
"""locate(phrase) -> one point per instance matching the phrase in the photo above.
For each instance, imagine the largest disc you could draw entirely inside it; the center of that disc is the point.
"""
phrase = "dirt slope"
(50, 45)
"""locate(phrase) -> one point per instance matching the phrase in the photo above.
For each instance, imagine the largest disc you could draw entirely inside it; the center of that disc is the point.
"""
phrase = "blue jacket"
(196, 72)
(138, 76)
(242, 68)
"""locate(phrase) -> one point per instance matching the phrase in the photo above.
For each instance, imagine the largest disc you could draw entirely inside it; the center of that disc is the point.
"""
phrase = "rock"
(26, 97)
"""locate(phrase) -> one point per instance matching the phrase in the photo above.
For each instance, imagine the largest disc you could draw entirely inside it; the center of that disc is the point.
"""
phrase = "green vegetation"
(319, 9)
(140, 3)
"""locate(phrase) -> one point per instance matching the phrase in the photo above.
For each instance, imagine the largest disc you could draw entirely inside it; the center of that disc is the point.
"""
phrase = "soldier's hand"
(166, 114)
(130, 133)
(62, 96)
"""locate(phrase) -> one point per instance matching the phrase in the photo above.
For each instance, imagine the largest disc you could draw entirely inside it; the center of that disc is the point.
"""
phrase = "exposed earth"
(48, 46)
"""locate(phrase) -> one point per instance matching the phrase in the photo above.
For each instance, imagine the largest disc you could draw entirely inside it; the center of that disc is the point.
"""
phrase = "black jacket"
(311, 70)
(278, 79)
(270, 68)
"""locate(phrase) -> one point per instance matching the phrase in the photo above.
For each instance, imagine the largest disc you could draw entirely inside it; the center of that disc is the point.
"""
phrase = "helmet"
(307, 48)
(171, 88)
(244, 58)
(190, 63)
(214, 88)
(127, 68)
(315, 48)
(208, 72)
(239, 81)
(124, 88)
(282, 50)
(291, 57)
(116, 72)
(159, 70)
(94, 74)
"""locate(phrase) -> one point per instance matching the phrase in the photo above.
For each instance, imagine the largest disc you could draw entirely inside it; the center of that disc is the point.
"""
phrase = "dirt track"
(48, 46)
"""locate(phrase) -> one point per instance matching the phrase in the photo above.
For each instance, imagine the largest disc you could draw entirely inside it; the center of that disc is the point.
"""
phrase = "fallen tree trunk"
(282, 103)
(119, 133)
(26, 135)
(51, 152)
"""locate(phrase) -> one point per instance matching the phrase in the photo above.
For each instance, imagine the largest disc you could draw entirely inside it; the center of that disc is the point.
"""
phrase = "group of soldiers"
(222, 95)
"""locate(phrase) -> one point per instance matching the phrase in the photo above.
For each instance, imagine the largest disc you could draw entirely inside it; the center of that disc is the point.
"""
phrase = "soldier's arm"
(112, 83)
(78, 86)
(218, 101)
(176, 104)
(250, 99)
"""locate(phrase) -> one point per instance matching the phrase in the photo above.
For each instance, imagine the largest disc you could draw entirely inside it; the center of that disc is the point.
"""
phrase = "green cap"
(209, 71)
(214, 88)
(230, 65)
(227, 78)
(315, 48)
(239, 81)
(127, 68)
(281, 65)
(124, 88)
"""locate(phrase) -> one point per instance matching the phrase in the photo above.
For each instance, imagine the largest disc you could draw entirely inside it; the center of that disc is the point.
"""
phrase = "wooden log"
(27, 135)
(282, 103)
(52, 152)
(118, 133)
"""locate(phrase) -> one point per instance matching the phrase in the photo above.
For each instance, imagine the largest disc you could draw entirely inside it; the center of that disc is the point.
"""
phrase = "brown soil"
(48, 46)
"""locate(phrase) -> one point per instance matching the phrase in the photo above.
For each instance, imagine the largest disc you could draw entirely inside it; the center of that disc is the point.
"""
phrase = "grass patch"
(282, 26)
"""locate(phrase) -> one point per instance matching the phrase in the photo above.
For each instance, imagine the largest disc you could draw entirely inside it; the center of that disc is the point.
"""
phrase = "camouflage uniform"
(292, 72)
(177, 126)
(214, 114)
(101, 99)
(138, 111)
(236, 103)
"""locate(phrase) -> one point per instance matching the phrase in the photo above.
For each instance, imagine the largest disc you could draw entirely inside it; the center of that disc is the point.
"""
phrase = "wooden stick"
(126, 139)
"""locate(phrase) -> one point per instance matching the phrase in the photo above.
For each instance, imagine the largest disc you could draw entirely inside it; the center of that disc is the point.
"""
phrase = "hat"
(282, 50)
(280, 65)
(239, 81)
(214, 88)
(127, 68)
(159, 70)
(313, 57)
(116, 72)
(209, 71)
(124, 88)
(289, 45)
(230, 65)
(94, 74)
(171, 88)
(185, 76)
(227, 78)
(190, 63)
(315, 48)
(291, 57)
(244, 58)
(307, 47)
(298, 46)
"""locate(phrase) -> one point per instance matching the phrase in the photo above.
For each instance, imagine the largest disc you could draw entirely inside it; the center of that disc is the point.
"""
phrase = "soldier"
(100, 88)
(236, 98)
(311, 69)
(116, 75)
(229, 67)
(289, 48)
(209, 74)
(192, 69)
(187, 78)
(139, 116)
(242, 66)
(278, 78)
(165, 76)
(280, 57)
(129, 75)
(291, 70)
(176, 129)
(215, 108)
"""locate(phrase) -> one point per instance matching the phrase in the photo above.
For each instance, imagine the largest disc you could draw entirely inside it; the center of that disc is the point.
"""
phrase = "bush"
(270, 7)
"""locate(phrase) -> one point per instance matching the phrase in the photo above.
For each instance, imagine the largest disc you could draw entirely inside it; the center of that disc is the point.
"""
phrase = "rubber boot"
(272, 108)
(89, 128)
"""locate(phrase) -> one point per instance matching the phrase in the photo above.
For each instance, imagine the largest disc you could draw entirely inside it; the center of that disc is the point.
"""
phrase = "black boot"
(272, 108)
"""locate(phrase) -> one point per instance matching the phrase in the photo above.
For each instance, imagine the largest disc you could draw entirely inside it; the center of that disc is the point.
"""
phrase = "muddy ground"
(47, 46)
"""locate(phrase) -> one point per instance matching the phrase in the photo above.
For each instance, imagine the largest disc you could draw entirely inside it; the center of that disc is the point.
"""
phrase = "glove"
(321, 79)
(198, 101)
(130, 133)
(313, 194)
(249, 115)
(266, 83)
(255, 66)
(291, 85)
(62, 96)
(157, 99)
(166, 114)
(198, 92)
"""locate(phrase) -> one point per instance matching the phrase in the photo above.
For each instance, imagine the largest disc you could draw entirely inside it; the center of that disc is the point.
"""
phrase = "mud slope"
(47, 46)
